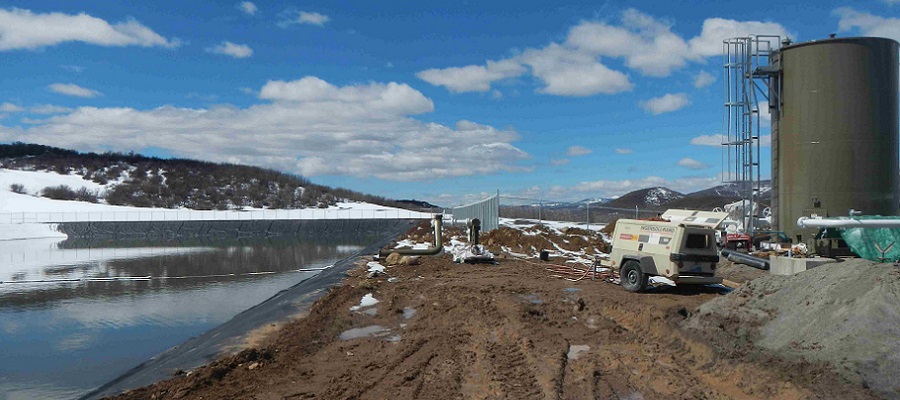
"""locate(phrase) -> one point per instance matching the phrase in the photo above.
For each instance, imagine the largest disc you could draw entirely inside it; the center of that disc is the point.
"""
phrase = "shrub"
(61, 192)
(17, 188)
(83, 194)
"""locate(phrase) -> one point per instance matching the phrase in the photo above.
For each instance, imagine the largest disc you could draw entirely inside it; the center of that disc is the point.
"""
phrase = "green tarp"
(876, 244)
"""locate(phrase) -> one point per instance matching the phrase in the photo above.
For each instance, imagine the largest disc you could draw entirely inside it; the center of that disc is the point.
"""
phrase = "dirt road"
(507, 331)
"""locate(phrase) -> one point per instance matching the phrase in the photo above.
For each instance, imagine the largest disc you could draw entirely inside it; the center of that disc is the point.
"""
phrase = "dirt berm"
(846, 313)
(509, 331)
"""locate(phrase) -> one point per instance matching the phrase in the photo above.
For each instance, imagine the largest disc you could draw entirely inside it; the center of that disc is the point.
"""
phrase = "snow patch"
(375, 267)
(367, 301)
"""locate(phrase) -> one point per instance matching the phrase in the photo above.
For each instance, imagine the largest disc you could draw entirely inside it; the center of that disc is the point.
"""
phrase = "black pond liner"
(209, 346)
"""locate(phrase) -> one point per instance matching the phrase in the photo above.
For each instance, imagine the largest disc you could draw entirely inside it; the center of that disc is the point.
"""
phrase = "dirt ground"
(508, 331)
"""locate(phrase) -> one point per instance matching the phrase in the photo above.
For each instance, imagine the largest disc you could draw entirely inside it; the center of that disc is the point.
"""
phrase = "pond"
(77, 314)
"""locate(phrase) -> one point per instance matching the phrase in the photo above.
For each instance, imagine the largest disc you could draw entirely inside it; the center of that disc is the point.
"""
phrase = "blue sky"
(434, 100)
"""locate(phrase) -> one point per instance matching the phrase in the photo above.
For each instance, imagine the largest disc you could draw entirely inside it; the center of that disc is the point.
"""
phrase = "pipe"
(746, 259)
(806, 222)
(436, 249)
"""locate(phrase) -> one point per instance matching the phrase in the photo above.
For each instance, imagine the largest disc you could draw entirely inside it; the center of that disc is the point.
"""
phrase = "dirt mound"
(845, 313)
(737, 272)
(531, 240)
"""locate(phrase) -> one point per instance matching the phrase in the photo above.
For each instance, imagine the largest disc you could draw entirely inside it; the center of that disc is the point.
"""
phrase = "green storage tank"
(834, 130)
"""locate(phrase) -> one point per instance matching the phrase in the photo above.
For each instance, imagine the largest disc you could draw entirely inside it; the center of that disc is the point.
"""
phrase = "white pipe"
(806, 222)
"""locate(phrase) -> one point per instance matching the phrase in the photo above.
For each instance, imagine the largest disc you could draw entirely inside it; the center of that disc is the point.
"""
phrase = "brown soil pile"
(533, 239)
(509, 331)
(738, 272)
(528, 240)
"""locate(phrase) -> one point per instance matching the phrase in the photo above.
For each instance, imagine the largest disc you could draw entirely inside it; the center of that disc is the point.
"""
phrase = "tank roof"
(857, 39)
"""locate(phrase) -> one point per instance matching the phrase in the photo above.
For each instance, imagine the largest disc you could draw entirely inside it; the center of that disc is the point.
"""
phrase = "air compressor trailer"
(682, 249)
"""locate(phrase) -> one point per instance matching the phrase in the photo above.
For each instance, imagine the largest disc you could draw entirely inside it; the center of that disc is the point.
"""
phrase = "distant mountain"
(732, 190)
(418, 204)
(649, 202)
(646, 198)
(597, 200)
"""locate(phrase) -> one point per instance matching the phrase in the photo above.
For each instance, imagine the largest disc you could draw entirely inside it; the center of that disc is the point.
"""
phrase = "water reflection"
(76, 314)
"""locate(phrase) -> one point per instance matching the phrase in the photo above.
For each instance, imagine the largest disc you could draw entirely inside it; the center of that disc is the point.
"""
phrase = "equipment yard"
(519, 329)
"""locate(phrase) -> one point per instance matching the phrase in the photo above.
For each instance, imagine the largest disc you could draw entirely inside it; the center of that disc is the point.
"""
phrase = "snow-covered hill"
(27, 215)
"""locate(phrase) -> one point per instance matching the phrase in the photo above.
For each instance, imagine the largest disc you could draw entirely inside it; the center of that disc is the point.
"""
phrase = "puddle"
(370, 312)
(356, 333)
(409, 312)
(532, 298)
(392, 339)
(572, 289)
(576, 350)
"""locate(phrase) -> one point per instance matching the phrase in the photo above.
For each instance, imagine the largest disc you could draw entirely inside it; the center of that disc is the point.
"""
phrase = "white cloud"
(576, 151)
(10, 108)
(472, 78)
(71, 89)
(667, 103)
(704, 79)
(391, 98)
(647, 44)
(231, 49)
(715, 30)
(23, 29)
(49, 109)
(73, 68)
(575, 68)
(868, 24)
(247, 7)
(312, 18)
(624, 151)
(307, 126)
(691, 163)
(765, 116)
(716, 140)
(569, 72)
(708, 140)
(558, 162)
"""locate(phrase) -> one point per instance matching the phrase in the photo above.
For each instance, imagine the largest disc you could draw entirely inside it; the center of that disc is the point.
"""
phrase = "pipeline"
(806, 222)
(436, 249)
(746, 259)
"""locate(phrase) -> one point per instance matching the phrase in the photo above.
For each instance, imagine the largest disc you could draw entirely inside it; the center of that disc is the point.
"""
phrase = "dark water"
(74, 315)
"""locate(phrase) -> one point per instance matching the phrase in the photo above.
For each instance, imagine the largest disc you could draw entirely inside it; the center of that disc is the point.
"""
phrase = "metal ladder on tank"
(745, 64)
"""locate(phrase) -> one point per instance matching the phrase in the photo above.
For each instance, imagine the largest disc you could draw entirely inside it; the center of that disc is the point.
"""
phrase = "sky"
(441, 101)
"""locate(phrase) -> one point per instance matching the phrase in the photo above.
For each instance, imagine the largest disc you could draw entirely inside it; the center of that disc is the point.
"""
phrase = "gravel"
(845, 313)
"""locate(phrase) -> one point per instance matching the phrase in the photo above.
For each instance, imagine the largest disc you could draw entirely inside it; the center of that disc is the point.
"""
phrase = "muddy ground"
(507, 331)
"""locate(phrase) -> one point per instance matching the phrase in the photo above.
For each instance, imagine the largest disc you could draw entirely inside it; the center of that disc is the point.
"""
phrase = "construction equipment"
(738, 242)
(681, 249)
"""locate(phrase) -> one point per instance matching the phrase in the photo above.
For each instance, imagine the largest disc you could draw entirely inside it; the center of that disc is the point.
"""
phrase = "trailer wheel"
(632, 278)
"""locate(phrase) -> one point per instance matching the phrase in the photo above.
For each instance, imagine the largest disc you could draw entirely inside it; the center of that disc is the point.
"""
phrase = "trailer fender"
(648, 266)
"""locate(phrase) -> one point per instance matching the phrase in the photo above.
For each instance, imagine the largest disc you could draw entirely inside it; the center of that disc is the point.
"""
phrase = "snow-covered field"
(520, 223)
(26, 216)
